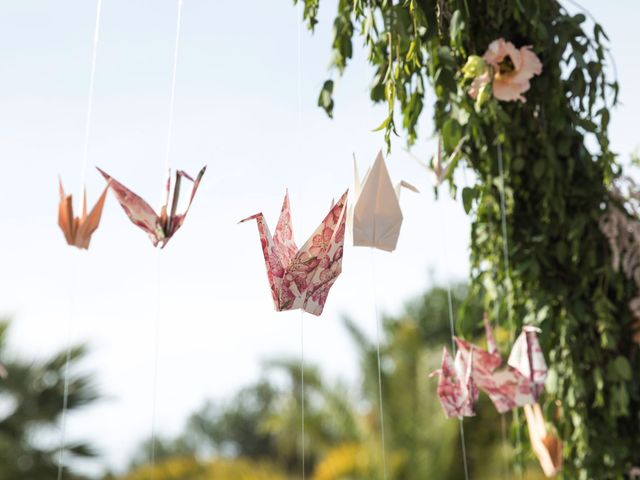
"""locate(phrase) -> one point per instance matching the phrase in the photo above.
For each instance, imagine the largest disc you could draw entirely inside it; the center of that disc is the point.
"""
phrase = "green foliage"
(555, 191)
(32, 399)
(227, 429)
(342, 423)
(188, 468)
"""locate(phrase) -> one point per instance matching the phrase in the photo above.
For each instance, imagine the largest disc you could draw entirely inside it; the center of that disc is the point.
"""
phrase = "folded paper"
(456, 389)
(375, 217)
(160, 227)
(519, 383)
(78, 230)
(546, 446)
(301, 278)
(439, 171)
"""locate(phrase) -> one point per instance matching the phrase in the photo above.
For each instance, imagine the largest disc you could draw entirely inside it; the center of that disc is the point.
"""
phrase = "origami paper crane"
(456, 389)
(375, 217)
(162, 227)
(546, 446)
(519, 383)
(78, 230)
(440, 171)
(301, 278)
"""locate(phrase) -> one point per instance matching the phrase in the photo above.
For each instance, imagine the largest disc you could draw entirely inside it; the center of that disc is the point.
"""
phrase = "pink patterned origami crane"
(519, 383)
(162, 227)
(301, 278)
(456, 389)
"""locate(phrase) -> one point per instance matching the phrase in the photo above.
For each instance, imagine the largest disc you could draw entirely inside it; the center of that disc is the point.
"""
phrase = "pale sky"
(236, 111)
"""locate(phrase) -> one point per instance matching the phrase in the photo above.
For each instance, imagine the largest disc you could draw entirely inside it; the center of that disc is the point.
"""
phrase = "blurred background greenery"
(256, 434)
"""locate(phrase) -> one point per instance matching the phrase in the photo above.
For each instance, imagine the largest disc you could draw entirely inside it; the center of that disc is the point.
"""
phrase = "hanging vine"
(559, 170)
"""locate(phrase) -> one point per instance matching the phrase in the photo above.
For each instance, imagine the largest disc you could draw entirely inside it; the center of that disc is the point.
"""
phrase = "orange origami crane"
(78, 230)
(546, 446)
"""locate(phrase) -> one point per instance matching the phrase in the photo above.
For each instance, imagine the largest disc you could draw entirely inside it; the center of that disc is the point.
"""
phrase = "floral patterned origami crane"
(302, 278)
(520, 383)
(78, 230)
(162, 227)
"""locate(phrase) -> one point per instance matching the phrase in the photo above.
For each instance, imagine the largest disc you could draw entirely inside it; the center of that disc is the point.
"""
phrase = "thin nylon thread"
(304, 473)
(174, 73)
(503, 424)
(445, 254)
(299, 20)
(156, 361)
(92, 80)
(156, 347)
(85, 160)
(65, 395)
(505, 251)
(380, 401)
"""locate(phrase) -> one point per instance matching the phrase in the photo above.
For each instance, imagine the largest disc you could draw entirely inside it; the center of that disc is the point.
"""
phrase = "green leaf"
(385, 124)
(468, 196)
(538, 169)
(325, 100)
(619, 370)
(451, 134)
(455, 28)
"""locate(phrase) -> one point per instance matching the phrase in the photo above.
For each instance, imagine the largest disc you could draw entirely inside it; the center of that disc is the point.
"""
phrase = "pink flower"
(276, 267)
(511, 69)
(321, 242)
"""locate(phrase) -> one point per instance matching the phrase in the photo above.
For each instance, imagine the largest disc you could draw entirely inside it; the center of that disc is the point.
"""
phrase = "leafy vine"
(561, 275)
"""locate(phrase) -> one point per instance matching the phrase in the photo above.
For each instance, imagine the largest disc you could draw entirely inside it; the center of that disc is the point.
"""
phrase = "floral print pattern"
(160, 228)
(302, 278)
(519, 383)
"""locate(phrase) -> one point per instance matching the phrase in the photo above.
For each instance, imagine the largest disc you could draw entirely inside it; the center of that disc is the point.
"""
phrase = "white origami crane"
(440, 171)
(375, 218)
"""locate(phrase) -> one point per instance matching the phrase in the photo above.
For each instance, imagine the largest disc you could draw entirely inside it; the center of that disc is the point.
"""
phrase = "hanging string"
(508, 294)
(92, 79)
(302, 391)
(445, 254)
(156, 345)
(172, 98)
(65, 394)
(380, 401)
(299, 20)
(85, 161)
(505, 242)
(503, 423)
(156, 361)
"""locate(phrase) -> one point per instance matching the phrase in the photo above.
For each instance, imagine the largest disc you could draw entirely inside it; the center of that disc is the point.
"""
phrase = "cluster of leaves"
(189, 468)
(554, 189)
(31, 395)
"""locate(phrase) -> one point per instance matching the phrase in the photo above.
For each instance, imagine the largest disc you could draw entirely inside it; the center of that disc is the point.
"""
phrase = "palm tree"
(32, 398)
(329, 416)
